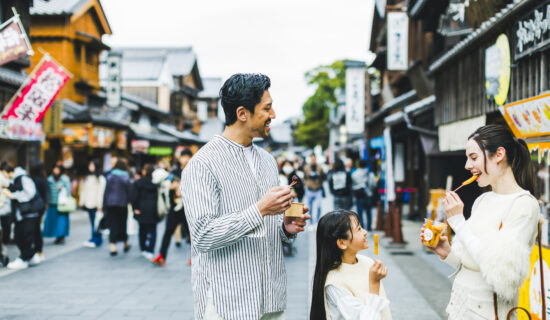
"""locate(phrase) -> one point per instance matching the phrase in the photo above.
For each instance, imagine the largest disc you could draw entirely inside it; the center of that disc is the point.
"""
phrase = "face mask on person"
(288, 169)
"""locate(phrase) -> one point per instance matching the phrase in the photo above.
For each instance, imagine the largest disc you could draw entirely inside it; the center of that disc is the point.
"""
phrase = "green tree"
(314, 128)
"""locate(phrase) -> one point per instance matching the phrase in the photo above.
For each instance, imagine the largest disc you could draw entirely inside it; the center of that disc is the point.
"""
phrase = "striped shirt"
(236, 252)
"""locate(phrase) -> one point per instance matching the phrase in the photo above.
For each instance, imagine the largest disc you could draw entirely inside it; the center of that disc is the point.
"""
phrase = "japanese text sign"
(37, 96)
(13, 41)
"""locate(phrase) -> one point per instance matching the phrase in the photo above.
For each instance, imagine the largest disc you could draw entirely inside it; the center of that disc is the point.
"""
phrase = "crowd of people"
(34, 206)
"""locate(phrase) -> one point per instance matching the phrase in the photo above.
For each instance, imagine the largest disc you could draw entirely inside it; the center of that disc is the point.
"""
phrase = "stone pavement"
(76, 282)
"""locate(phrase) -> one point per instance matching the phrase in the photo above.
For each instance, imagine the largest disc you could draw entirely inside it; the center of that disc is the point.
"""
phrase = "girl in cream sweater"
(346, 286)
(491, 249)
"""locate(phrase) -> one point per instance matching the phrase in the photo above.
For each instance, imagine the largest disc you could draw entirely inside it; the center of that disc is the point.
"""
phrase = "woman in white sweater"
(491, 249)
(91, 198)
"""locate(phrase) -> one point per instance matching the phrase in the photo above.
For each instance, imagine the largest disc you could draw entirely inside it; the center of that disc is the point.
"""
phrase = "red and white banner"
(32, 102)
(14, 42)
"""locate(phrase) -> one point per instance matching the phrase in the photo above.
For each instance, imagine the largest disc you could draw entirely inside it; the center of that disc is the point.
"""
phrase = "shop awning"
(156, 137)
(184, 136)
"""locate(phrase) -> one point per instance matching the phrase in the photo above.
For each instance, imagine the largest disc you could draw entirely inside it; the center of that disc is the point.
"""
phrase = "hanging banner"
(32, 102)
(14, 42)
(398, 40)
(355, 100)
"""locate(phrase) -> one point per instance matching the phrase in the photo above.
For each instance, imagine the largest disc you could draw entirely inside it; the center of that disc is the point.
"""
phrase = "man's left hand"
(294, 225)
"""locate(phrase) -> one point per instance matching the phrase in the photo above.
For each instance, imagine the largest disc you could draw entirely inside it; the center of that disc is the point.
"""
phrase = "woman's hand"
(442, 249)
(377, 272)
(137, 212)
(453, 205)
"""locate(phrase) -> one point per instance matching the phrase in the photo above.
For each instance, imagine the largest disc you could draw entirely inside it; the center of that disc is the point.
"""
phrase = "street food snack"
(432, 232)
(375, 244)
(296, 210)
(467, 182)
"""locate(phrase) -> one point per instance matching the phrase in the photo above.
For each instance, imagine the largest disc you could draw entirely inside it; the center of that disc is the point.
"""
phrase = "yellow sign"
(497, 70)
(530, 295)
(529, 117)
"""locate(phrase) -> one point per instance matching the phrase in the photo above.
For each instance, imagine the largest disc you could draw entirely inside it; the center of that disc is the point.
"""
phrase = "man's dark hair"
(186, 152)
(242, 89)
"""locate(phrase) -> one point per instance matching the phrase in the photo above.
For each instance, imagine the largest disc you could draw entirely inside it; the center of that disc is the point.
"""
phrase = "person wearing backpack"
(26, 207)
(363, 183)
(144, 201)
(339, 182)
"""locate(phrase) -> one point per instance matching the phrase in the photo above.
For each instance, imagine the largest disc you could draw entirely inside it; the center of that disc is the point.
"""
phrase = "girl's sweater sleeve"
(342, 305)
(503, 255)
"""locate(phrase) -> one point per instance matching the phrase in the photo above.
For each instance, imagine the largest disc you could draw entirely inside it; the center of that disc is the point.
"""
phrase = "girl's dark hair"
(491, 137)
(5, 166)
(97, 166)
(332, 226)
(148, 168)
(37, 170)
(242, 89)
(60, 167)
(121, 164)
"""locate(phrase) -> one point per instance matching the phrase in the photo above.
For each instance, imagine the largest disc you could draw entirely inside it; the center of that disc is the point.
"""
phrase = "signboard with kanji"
(13, 41)
(32, 102)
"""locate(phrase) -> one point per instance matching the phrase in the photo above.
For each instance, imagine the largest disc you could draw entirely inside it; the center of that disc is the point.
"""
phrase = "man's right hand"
(276, 201)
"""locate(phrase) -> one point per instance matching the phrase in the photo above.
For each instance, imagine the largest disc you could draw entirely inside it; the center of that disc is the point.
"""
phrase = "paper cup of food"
(296, 210)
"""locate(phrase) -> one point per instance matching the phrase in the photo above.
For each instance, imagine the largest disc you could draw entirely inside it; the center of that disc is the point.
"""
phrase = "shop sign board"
(15, 129)
(355, 100)
(529, 117)
(497, 70)
(14, 42)
(140, 146)
(398, 40)
(33, 100)
(160, 151)
(113, 86)
(453, 22)
(533, 31)
(530, 295)
(102, 137)
(76, 134)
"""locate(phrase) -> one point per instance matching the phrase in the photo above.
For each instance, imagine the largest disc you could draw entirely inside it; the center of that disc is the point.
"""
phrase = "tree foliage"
(314, 128)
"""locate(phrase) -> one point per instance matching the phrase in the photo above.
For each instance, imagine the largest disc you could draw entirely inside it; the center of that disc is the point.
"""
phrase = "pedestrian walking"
(176, 216)
(491, 250)
(233, 205)
(38, 175)
(314, 194)
(346, 285)
(339, 182)
(56, 224)
(144, 202)
(115, 204)
(26, 207)
(363, 184)
(91, 199)
(6, 219)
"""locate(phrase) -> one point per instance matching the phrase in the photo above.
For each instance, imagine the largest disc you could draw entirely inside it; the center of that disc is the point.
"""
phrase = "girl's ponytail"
(523, 167)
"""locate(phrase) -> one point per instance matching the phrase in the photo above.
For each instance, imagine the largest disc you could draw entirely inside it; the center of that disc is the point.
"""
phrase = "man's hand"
(275, 201)
(294, 225)
(137, 212)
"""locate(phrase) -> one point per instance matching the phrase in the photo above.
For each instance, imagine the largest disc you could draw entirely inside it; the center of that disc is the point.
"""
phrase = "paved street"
(76, 282)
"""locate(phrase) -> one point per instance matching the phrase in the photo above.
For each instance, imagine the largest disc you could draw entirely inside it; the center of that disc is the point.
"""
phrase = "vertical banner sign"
(398, 40)
(113, 85)
(13, 40)
(355, 100)
(32, 102)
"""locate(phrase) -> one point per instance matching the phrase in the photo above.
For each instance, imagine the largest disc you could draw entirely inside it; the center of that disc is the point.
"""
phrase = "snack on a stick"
(467, 182)
(375, 244)
(294, 181)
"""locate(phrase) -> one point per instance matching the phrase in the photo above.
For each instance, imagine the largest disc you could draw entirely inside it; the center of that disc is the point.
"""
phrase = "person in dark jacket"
(38, 175)
(340, 183)
(144, 202)
(115, 204)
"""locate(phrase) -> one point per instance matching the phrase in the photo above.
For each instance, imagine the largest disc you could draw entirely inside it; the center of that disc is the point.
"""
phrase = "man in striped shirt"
(233, 205)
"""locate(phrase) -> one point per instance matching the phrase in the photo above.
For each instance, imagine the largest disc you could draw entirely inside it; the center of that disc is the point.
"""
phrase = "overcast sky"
(282, 39)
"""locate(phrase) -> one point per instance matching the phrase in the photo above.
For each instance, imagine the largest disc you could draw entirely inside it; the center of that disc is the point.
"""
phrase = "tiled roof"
(56, 7)
(210, 128)
(212, 88)
(142, 68)
(12, 77)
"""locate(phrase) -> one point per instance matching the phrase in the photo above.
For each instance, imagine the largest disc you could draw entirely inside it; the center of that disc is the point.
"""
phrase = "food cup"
(296, 210)
(433, 232)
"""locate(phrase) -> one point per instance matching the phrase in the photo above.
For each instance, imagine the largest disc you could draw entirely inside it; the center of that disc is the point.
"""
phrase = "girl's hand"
(377, 272)
(453, 205)
(442, 249)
